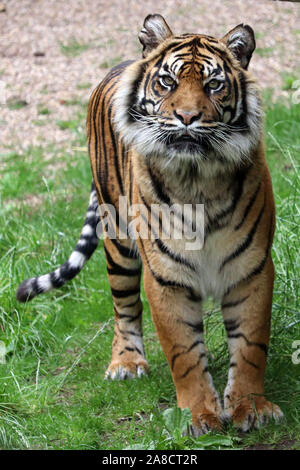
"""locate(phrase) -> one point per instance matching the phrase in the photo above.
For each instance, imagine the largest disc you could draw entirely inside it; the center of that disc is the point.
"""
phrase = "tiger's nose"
(187, 117)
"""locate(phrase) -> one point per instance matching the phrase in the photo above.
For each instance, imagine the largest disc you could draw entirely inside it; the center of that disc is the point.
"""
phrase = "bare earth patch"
(53, 53)
(282, 445)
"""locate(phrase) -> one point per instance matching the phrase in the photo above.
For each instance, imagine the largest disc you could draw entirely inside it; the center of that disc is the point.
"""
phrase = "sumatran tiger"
(182, 127)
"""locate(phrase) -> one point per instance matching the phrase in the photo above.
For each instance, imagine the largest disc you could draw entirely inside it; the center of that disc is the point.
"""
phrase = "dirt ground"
(53, 52)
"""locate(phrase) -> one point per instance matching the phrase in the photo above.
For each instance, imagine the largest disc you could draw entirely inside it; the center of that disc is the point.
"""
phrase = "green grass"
(72, 102)
(288, 81)
(16, 104)
(44, 111)
(52, 391)
(39, 122)
(73, 48)
(83, 85)
(108, 64)
(264, 51)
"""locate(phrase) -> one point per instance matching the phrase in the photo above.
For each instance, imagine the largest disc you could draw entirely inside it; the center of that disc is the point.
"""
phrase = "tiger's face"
(191, 98)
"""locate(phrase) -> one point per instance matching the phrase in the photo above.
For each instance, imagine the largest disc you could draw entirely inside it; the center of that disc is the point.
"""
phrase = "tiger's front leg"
(124, 272)
(247, 312)
(178, 322)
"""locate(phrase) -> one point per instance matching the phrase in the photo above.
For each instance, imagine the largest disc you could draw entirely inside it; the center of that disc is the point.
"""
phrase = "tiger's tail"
(84, 249)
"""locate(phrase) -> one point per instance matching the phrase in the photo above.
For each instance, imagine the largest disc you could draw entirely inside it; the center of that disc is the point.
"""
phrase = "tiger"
(182, 126)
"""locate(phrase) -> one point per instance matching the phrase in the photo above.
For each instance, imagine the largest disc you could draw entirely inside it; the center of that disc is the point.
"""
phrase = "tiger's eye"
(167, 80)
(213, 84)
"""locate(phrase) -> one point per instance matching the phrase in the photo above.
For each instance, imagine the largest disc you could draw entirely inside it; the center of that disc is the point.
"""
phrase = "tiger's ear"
(241, 42)
(155, 30)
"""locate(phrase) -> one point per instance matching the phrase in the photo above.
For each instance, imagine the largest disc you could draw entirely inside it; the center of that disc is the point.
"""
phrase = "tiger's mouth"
(188, 144)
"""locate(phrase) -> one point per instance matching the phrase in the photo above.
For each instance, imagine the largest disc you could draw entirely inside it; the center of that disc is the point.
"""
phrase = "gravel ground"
(36, 67)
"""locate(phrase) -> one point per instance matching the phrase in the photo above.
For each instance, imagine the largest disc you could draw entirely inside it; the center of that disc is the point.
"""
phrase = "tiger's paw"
(118, 370)
(205, 422)
(253, 412)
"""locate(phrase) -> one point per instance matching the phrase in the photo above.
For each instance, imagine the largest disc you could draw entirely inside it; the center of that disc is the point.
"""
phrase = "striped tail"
(84, 249)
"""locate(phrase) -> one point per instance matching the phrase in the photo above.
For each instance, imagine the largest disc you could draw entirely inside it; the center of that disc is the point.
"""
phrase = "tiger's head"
(190, 99)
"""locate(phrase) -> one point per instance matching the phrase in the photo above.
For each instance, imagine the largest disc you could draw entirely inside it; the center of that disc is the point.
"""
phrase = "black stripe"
(124, 250)
(56, 282)
(173, 256)
(248, 207)
(234, 303)
(118, 293)
(133, 95)
(261, 265)
(120, 271)
(194, 366)
(258, 269)
(193, 296)
(183, 45)
(166, 282)
(88, 248)
(157, 217)
(217, 223)
(132, 304)
(124, 157)
(160, 280)
(250, 362)
(129, 332)
(215, 50)
(116, 269)
(262, 346)
(244, 94)
(36, 288)
(138, 350)
(196, 327)
(131, 318)
(94, 113)
(116, 160)
(247, 242)
(231, 325)
(128, 348)
(67, 272)
(157, 186)
(196, 343)
(91, 219)
(103, 173)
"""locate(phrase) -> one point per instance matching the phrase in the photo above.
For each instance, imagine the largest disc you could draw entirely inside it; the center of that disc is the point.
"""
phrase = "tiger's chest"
(194, 230)
(203, 257)
(189, 262)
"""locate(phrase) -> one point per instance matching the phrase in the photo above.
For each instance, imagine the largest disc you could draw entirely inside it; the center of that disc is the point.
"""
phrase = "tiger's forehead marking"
(194, 55)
